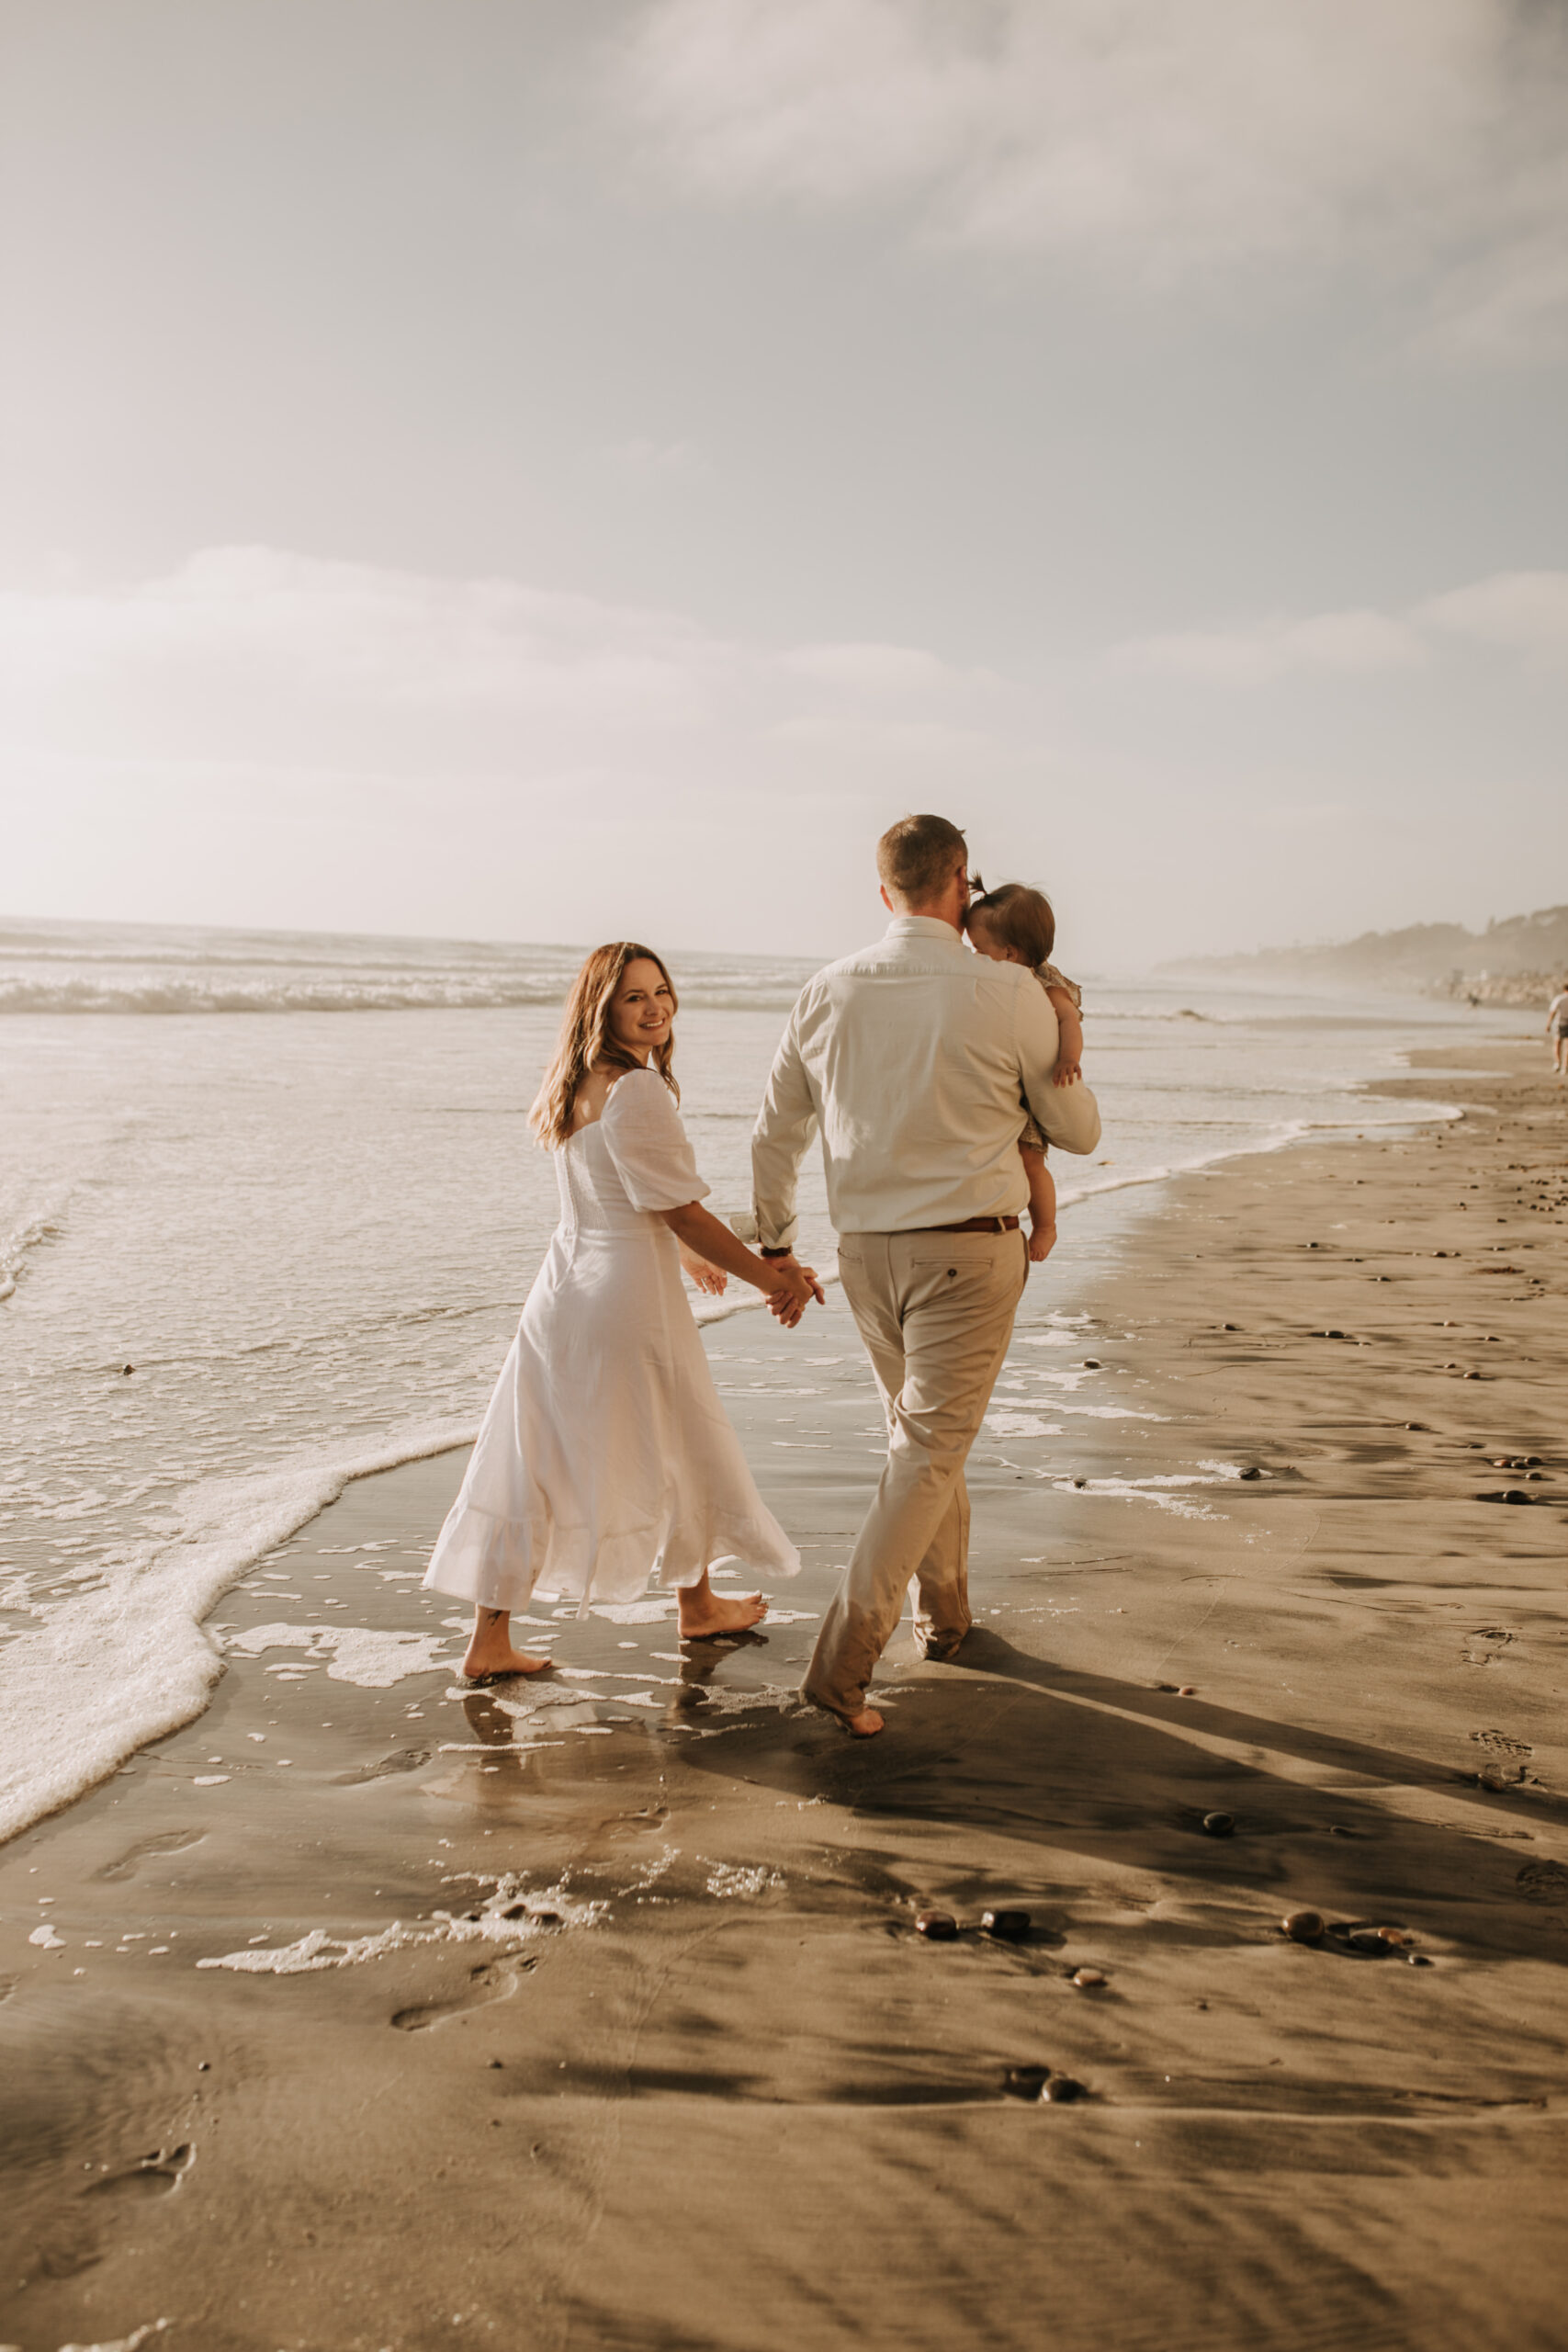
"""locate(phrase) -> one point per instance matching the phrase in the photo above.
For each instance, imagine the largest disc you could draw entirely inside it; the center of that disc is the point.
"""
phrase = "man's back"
(915, 1057)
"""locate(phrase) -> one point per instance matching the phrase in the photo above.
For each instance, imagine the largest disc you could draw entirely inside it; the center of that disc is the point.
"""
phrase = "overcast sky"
(552, 469)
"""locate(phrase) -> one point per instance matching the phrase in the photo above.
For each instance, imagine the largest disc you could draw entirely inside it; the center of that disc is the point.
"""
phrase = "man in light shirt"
(914, 1059)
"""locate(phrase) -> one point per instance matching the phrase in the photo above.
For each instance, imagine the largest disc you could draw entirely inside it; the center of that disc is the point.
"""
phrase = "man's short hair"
(915, 858)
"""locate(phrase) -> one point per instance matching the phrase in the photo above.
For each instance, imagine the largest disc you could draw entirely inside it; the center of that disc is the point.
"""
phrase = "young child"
(1013, 924)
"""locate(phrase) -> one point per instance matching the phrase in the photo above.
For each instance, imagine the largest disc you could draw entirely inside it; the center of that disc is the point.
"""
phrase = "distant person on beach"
(1013, 924)
(605, 1454)
(1557, 1028)
(915, 1059)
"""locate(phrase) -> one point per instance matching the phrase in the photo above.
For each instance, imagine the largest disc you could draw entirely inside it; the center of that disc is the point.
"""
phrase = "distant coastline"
(1518, 961)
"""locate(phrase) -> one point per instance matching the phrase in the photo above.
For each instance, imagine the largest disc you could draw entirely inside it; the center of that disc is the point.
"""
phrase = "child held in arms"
(1013, 924)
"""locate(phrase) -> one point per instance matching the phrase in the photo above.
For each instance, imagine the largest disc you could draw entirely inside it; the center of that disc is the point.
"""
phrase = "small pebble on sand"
(1061, 2091)
(940, 1926)
(1089, 1980)
(1009, 1927)
(1218, 1825)
(1025, 2082)
(1302, 1926)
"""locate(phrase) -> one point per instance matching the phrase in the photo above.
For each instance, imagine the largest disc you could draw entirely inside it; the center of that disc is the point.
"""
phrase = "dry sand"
(690, 2077)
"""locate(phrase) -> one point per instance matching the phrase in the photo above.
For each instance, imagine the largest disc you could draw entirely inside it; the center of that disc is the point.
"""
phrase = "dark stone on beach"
(1334, 1335)
(1302, 1926)
(1089, 1980)
(1025, 2082)
(126, 1370)
(1418, 1960)
(1445, 1253)
(1167, 1686)
(514, 1911)
(1367, 1939)
(1091, 1363)
(1313, 1245)
(1187, 1690)
(1080, 1482)
(1253, 1471)
(1532, 1460)
(1516, 1495)
(1062, 2090)
(546, 1919)
(497, 2061)
(1007, 1927)
(1472, 1376)
(1230, 1327)
(203, 2067)
(940, 1926)
(1218, 1825)
(1416, 1425)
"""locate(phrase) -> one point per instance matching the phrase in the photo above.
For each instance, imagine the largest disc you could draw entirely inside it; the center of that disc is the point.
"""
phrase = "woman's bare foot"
(490, 1652)
(703, 1613)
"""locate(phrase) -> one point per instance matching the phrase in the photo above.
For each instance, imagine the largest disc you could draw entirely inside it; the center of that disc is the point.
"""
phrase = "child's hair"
(1020, 918)
(585, 1038)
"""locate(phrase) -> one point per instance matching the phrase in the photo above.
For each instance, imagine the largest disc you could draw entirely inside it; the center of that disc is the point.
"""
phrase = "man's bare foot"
(704, 1613)
(490, 1652)
(864, 1724)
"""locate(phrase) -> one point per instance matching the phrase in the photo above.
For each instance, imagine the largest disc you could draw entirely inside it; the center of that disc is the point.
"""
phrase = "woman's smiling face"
(643, 1008)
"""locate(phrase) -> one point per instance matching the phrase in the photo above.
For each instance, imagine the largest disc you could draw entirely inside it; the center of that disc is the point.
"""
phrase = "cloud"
(1346, 642)
(1167, 143)
(1516, 612)
(1519, 612)
(279, 660)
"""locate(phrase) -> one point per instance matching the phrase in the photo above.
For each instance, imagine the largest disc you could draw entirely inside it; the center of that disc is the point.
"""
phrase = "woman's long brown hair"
(585, 1039)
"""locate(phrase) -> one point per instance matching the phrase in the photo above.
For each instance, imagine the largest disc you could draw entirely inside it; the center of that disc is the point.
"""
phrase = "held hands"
(712, 1278)
(797, 1287)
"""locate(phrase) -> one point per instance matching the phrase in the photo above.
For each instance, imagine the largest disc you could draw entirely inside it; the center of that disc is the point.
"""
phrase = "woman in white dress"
(605, 1454)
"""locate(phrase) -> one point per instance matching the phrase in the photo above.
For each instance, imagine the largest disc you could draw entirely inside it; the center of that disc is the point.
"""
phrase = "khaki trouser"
(936, 1313)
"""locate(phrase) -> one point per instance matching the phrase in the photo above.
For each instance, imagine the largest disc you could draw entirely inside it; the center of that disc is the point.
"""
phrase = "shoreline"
(482, 2114)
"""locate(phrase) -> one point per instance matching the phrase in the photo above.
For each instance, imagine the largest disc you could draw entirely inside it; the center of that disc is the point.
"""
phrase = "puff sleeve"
(648, 1143)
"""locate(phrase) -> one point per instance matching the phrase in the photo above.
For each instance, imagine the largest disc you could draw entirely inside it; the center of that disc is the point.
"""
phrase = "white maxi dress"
(605, 1454)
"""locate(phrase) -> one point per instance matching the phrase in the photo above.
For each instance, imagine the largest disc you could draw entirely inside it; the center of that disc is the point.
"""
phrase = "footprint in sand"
(494, 1980)
(158, 2175)
(1486, 1644)
(170, 1841)
(1501, 1745)
(1543, 1883)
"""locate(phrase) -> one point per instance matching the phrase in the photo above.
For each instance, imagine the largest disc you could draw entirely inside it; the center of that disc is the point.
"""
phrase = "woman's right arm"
(788, 1288)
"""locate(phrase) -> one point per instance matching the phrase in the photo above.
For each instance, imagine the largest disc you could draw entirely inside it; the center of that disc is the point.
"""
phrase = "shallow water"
(245, 1257)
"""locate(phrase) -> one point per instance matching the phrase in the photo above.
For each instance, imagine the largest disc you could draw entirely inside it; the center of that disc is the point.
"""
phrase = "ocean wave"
(23, 1237)
(131, 1662)
(104, 990)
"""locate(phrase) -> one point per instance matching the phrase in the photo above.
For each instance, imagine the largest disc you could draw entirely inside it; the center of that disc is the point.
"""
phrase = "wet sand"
(639, 2044)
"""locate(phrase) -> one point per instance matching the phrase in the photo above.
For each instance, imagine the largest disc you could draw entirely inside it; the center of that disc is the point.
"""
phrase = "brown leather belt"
(973, 1225)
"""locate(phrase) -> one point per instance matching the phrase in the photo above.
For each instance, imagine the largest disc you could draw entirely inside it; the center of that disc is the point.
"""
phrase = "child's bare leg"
(1042, 1203)
(490, 1650)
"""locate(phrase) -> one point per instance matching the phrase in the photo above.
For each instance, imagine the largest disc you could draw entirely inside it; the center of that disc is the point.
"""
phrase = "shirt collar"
(925, 927)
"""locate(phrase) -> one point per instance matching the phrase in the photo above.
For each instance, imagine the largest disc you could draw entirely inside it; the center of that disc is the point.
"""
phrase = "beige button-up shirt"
(914, 1059)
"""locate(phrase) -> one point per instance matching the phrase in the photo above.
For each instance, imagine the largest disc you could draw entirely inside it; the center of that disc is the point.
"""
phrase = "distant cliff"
(1518, 961)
